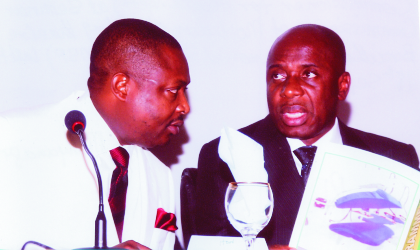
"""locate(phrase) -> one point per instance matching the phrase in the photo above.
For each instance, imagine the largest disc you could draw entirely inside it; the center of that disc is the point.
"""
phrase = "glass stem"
(249, 241)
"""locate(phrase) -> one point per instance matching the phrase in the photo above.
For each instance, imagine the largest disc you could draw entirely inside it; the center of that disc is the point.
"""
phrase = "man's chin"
(165, 142)
(298, 132)
(159, 143)
(152, 143)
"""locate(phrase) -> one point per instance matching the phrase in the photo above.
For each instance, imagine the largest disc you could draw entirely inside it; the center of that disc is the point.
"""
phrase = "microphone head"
(75, 120)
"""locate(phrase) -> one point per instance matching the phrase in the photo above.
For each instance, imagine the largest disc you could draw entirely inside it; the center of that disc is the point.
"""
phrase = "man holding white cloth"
(306, 79)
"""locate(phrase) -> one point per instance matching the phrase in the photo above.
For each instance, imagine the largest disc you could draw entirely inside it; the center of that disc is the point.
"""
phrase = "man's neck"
(331, 136)
(311, 141)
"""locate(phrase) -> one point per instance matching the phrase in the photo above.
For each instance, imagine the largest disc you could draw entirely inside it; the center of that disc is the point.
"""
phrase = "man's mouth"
(294, 115)
(174, 126)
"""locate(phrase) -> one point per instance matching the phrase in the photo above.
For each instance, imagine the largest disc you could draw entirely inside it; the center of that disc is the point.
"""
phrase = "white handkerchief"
(244, 156)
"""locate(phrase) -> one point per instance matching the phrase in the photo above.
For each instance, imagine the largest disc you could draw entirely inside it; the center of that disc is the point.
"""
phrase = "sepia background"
(45, 47)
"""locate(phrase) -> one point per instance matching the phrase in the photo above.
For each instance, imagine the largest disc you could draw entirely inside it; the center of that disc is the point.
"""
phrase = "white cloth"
(244, 156)
(48, 185)
(332, 136)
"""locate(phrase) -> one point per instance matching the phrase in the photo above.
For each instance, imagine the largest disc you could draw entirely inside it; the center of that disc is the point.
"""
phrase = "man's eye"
(174, 91)
(310, 75)
(279, 77)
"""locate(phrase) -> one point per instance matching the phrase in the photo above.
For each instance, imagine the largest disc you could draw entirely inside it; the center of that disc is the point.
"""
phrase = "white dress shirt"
(332, 136)
(49, 189)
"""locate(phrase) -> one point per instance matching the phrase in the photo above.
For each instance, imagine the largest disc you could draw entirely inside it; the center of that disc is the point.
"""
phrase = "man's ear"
(343, 86)
(119, 86)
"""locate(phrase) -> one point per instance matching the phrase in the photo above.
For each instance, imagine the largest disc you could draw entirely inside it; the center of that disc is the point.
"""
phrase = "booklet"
(355, 199)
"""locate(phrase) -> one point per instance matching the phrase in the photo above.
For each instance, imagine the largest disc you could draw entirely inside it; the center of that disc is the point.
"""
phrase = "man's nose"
(292, 87)
(183, 106)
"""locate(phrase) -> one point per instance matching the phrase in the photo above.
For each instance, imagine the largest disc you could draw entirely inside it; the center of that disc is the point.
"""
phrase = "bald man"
(136, 100)
(306, 79)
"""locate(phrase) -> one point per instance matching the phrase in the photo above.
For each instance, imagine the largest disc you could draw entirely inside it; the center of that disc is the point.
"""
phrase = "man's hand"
(131, 244)
(280, 247)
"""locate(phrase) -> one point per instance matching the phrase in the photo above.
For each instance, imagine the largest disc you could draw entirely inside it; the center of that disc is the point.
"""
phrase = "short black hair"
(127, 46)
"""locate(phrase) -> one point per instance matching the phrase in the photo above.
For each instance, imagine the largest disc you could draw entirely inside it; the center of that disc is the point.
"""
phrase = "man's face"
(156, 106)
(302, 89)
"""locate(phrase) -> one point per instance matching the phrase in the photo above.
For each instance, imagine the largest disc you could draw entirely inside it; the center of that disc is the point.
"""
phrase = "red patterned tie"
(118, 191)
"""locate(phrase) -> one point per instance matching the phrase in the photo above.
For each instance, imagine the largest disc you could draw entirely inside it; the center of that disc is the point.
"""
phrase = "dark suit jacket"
(287, 185)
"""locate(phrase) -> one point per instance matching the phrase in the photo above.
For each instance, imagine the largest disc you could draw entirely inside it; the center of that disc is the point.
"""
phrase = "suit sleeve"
(413, 156)
(398, 151)
(213, 178)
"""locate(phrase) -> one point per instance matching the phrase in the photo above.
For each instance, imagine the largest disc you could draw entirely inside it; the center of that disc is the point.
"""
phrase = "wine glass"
(249, 206)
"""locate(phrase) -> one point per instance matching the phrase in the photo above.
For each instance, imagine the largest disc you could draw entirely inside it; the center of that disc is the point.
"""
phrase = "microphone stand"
(100, 222)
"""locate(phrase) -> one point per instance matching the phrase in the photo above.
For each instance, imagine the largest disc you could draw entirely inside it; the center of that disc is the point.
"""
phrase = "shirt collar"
(332, 136)
(99, 136)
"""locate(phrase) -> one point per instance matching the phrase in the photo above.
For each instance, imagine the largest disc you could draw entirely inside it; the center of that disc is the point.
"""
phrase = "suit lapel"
(278, 157)
(352, 139)
(285, 181)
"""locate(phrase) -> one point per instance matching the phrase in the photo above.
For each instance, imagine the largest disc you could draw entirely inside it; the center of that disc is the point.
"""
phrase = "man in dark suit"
(306, 79)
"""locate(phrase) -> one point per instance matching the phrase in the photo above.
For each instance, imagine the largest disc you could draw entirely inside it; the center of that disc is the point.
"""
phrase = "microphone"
(76, 123)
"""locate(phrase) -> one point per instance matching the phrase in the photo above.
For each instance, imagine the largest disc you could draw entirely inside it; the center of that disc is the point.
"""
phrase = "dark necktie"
(306, 155)
(118, 191)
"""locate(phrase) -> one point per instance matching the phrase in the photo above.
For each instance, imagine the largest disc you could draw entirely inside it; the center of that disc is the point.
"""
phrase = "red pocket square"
(165, 221)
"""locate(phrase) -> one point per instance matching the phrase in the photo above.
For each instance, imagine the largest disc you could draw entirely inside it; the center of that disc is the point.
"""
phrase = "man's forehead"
(154, 61)
(300, 54)
(169, 71)
(297, 50)
(180, 82)
(313, 42)
(151, 81)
